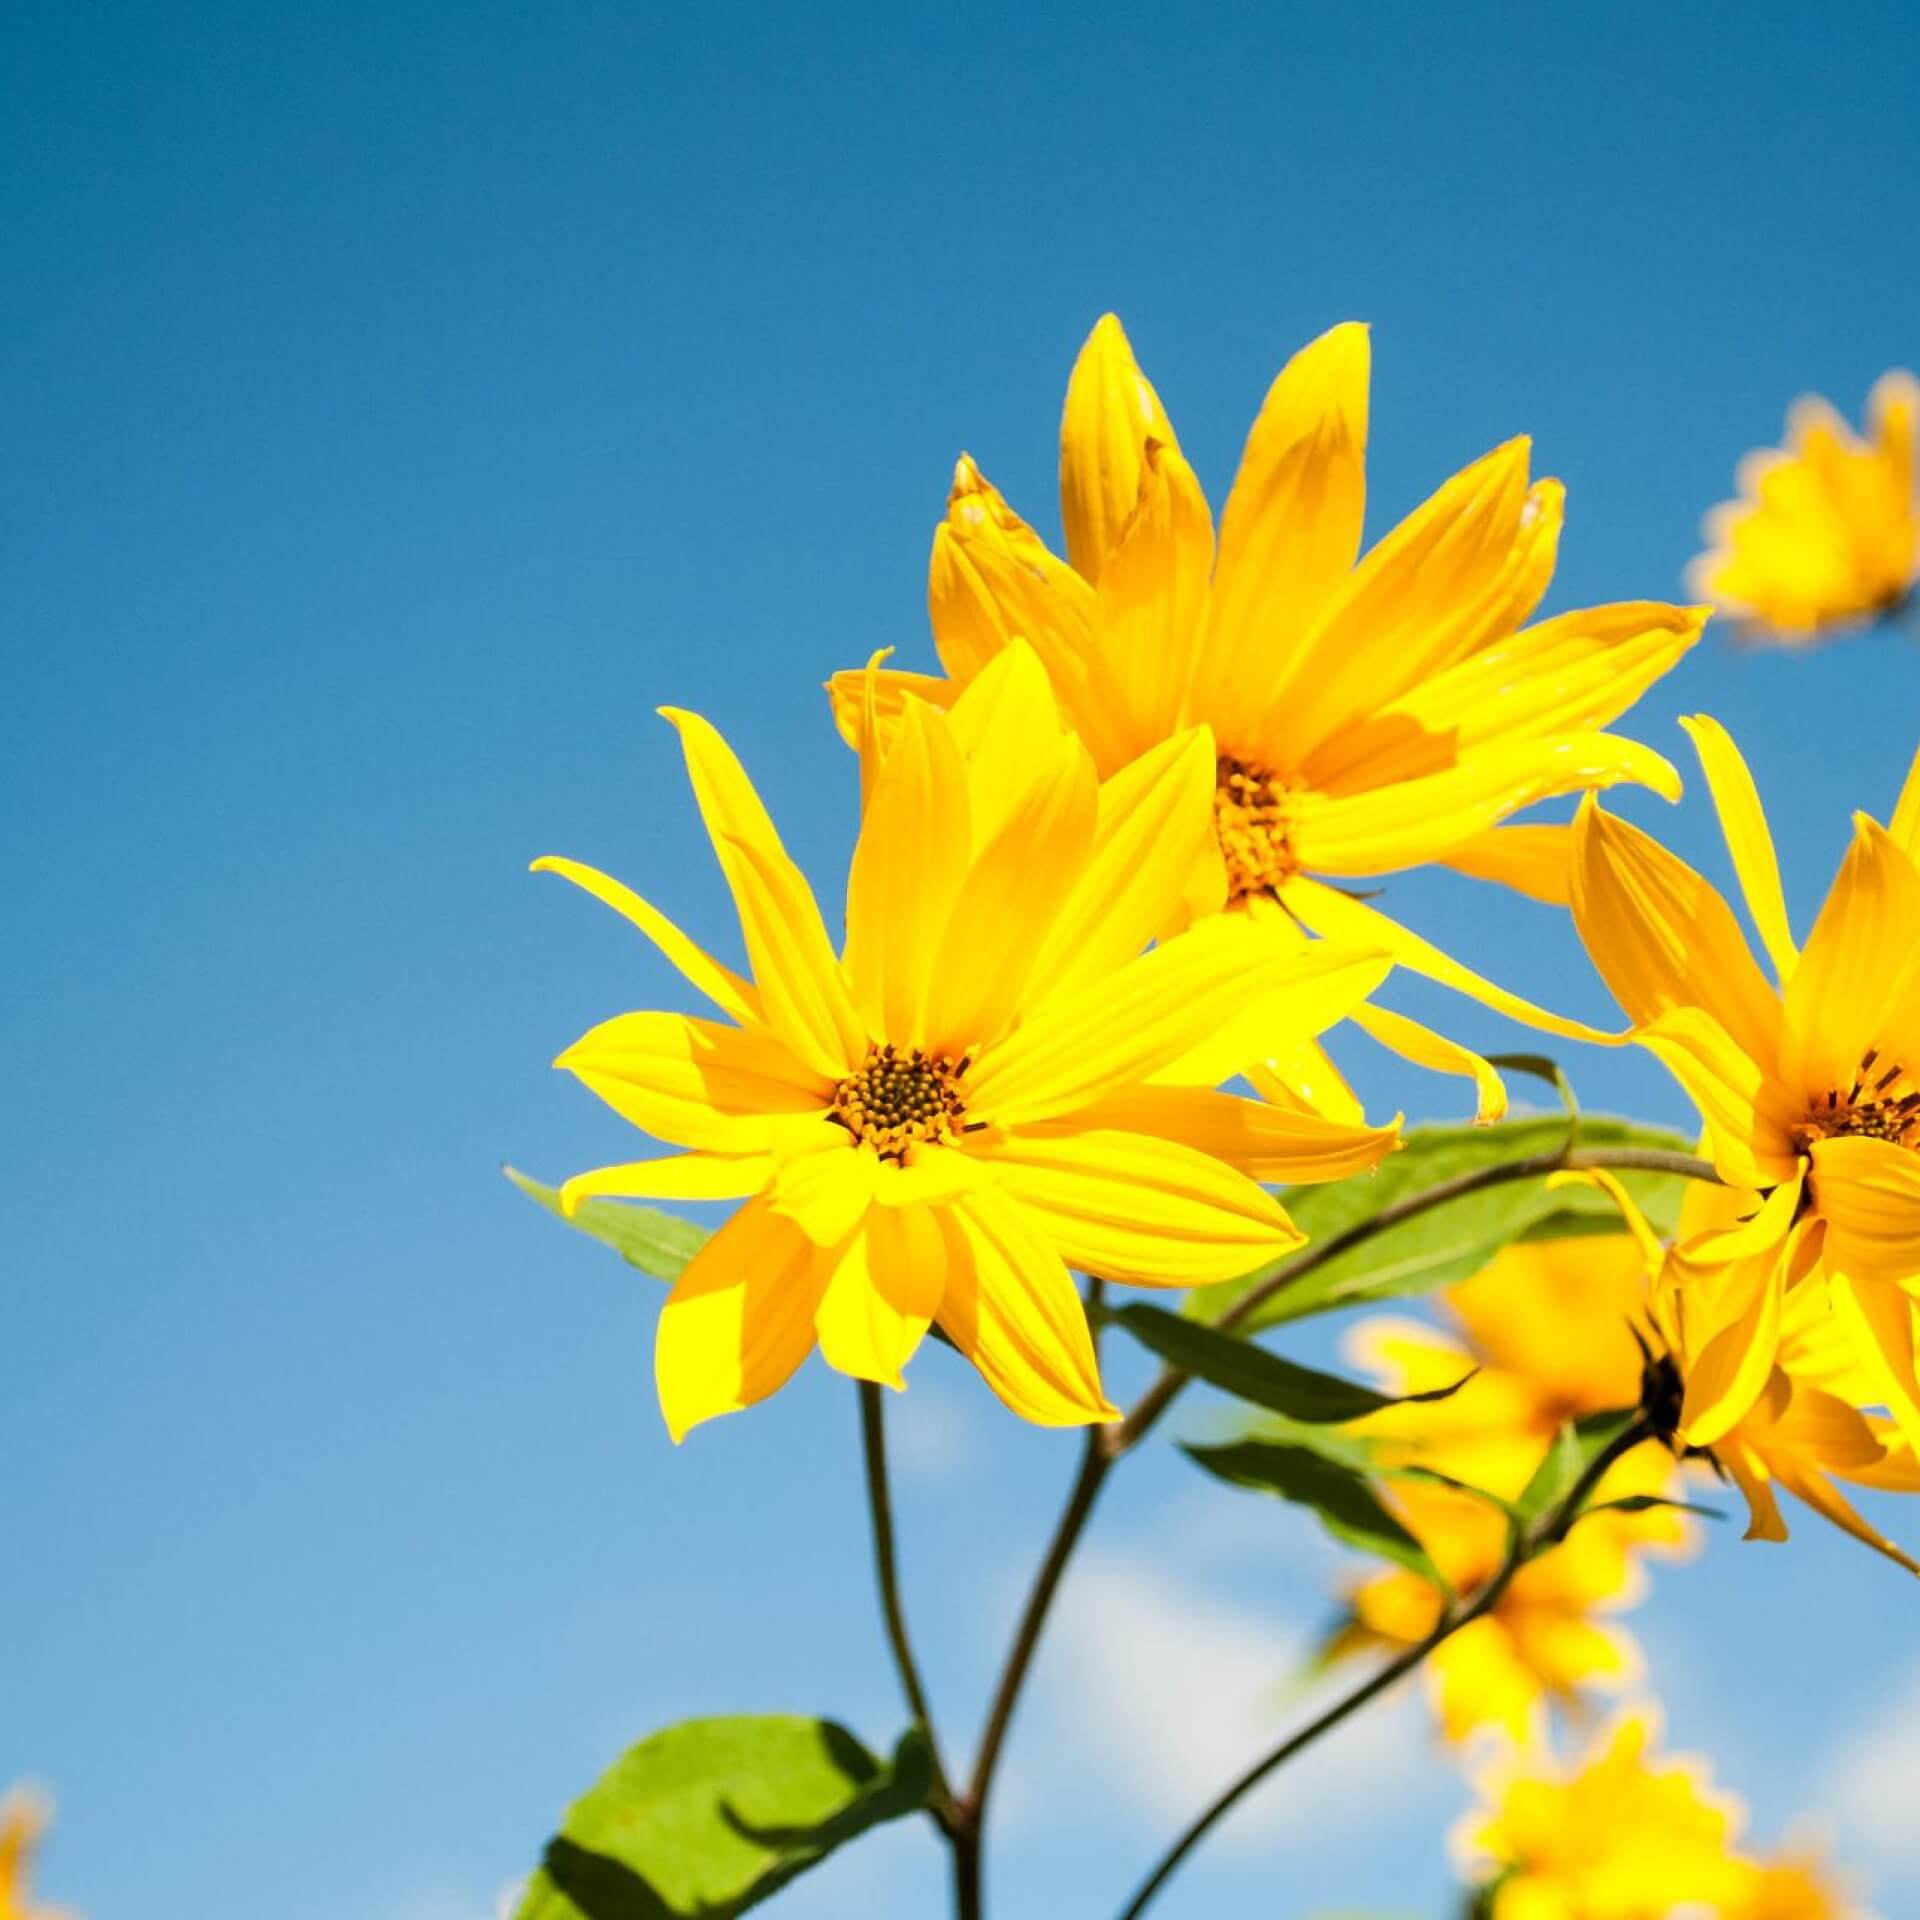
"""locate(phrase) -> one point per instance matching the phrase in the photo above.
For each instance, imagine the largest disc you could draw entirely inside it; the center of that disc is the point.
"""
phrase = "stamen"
(1877, 1106)
(898, 1099)
(1253, 818)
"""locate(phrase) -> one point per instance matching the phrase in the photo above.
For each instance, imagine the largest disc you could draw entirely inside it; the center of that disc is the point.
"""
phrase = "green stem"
(1160, 1395)
(1526, 1544)
(873, 1434)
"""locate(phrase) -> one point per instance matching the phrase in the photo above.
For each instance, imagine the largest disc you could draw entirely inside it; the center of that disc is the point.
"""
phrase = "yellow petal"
(721, 985)
(1856, 958)
(907, 869)
(1747, 1117)
(1112, 415)
(827, 1190)
(1905, 825)
(851, 696)
(992, 581)
(1155, 826)
(1434, 1051)
(1413, 821)
(1569, 675)
(1152, 601)
(1289, 993)
(1010, 1307)
(1744, 823)
(738, 1322)
(1276, 1143)
(1662, 938)
(1751, 1476)
(1009, 901)
(1290, 531)
(1868, 1192)
(1731, 1372)
(1337, 916)
(693, 1082)
(1534, 860)
(1648, 1244)
(1444, 580)
(1826, 1500)
(1147, 1212)
(1879, 1320)
(1010, 732)
(683, 1176)
(883, 1287)
(1121, 1030)
(802, 994)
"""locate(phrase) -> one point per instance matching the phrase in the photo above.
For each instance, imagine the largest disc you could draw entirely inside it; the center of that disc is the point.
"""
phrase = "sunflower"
(991, 1083)
(1826, 533)
(1543, 1332)
(1812, 1425)
(1804, 1089)
(1369, 714)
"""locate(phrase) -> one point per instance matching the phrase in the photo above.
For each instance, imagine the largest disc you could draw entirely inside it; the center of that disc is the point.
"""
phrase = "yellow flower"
(1625, 1837)
(1804, 1090)
(1827, 531)
(1547, 1325)
(1370, 714)
(23, 1818)
(991, 1084)
(1808, 1429)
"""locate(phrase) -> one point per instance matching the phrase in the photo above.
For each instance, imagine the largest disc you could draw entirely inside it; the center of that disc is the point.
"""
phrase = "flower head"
(1826, 532)
(1621, 1837)
(1546, 1324)
(1370, 714)
(1810, 1092)
(990, 1084)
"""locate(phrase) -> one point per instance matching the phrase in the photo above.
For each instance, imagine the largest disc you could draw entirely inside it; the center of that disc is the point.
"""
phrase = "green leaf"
(1251, 1372)
(657, 1243)
(712, 1817)
(1572, 1451)
(1347, 1506)
(1458, 1237)
(1646, 1502)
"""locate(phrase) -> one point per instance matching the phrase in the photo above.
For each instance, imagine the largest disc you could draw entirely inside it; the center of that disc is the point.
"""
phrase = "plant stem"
(1526, 1544)
(873, 1435)
(1095, 1462)
(1159, 1396)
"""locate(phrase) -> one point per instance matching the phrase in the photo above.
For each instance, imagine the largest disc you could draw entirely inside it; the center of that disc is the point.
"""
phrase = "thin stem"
(1160, 1395)
(1095, 1462)
(873, 1435)
(1526, 1544)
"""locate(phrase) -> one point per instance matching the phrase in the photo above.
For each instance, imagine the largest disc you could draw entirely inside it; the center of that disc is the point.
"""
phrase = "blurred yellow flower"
(991, 1084)
(1827, 530)
(23, 1819)
(1369, 714)
(1810, 1093)
(1788, 1888)
(1548, 1325)
(1622, 1837)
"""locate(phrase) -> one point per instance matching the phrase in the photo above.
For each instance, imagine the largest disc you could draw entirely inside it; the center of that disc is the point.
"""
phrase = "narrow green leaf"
(1346, 1505)
(1646, 1502)
(657, 1243)
(1543, 1066)
(1448, 1242)
(1434, 1477)
(712, 1817)
(1251, 1372)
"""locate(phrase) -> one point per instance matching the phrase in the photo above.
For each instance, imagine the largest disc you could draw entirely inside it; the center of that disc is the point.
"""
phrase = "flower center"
(1882, 1102)
(1253, 815)
(898, 1098)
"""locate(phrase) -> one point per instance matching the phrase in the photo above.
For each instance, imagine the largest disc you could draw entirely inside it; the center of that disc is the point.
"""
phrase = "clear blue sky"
(399, 403)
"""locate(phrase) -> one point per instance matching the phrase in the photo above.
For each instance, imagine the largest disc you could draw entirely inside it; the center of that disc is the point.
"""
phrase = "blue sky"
(401, 402)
